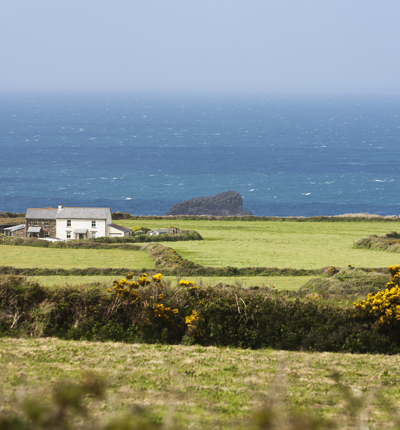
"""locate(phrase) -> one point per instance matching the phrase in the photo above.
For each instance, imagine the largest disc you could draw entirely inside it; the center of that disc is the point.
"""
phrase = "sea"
(286, 155)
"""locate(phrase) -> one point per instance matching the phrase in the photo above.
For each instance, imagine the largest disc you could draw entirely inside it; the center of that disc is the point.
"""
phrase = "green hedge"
(88, 271)
(127, 242)
(389, 242)
(184, 235)
(227, 317)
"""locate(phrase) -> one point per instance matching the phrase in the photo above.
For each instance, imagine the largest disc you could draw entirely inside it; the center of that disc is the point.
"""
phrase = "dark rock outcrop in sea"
(229, 203)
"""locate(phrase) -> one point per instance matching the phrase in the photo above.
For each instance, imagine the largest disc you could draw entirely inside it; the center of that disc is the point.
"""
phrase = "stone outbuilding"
(15, 231)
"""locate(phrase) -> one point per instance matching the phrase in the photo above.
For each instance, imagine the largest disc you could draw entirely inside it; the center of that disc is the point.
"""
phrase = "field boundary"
(389, 242)
(321, 218)
(128, 242)
(146, 310)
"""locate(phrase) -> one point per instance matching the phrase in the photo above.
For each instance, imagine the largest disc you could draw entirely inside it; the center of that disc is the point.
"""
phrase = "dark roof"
(83, 213)
(120, 228)
(38, 213)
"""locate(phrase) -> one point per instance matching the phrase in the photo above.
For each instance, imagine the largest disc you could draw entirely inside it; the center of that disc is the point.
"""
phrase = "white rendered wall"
(113, 232)
(61, 227)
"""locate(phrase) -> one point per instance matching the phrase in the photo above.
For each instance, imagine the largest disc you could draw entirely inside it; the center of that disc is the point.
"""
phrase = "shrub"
(384, 306)
(146, 309)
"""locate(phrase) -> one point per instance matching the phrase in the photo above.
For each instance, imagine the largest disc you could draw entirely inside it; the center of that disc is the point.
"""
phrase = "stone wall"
(19, 233)
(51, 228)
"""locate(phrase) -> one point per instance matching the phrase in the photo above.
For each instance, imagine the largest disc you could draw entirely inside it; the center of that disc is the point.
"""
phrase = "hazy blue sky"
(200, 45)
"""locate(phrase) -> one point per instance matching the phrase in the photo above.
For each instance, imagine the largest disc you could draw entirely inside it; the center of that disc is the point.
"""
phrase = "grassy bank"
(305, 245)
(389, 242)
(207, 388)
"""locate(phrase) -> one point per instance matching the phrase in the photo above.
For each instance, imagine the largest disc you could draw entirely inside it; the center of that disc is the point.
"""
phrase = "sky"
(290, 46)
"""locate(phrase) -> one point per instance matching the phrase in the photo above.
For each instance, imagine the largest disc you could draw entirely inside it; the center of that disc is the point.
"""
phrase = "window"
(68, 223)
(46, 234)
(34, 222)
(7, 233)
(46, 222)
(68, 235)
(93, 234)
(93, 223)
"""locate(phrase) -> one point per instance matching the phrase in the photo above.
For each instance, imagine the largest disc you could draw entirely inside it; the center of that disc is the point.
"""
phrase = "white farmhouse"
(82, 223)
(67, 223)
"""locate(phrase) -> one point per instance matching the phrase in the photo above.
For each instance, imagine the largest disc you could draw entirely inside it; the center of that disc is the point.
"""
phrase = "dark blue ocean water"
(142, 154)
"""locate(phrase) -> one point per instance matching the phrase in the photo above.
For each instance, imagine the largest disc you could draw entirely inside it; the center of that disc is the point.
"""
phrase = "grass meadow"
(300, 245)
(214, 388)
(24, 256)
(208, 388)
(292, 283)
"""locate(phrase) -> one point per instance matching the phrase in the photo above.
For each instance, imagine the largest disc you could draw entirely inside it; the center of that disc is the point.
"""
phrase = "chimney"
(59, 206)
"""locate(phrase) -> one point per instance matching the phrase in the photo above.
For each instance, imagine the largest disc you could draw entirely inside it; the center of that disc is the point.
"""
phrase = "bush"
(149, 310)
(383, 308)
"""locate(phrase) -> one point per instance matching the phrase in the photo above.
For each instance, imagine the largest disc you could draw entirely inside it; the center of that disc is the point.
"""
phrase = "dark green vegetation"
(388, 242)
(101, 242)
(217, 316)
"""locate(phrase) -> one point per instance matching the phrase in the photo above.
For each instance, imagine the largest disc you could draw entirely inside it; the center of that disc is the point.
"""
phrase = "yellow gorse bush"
(157, 278)
(151, 303)
(332, 270)
(192, 319)
(186, 283)
(126, 290)
(383, 306)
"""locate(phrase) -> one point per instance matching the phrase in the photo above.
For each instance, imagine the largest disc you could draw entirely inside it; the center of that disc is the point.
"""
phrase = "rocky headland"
(229, 203)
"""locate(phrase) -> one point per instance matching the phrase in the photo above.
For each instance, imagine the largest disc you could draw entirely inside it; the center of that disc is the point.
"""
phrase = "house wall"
(19, 233)
(51, 229)
(113, 232)
(100, 229)
(108, 222)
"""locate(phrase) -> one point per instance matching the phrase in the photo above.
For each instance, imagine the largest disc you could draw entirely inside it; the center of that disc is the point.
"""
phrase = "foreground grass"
(292, 283)
(20, 256)
(301, 245)
(204, 387)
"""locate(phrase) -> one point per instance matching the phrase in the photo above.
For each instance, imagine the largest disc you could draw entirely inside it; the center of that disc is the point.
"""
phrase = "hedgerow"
(147, 310)
(126, 242)
(388, 242)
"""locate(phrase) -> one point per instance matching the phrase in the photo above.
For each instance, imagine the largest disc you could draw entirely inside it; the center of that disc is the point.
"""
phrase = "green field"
(207, 388)
(301, 245)
(24, 256)
(280, 282)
